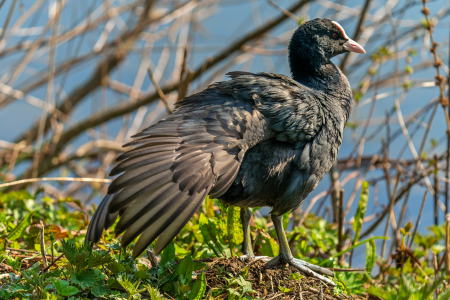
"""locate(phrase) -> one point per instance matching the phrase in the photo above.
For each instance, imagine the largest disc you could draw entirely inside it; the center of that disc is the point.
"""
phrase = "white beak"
(353, 46)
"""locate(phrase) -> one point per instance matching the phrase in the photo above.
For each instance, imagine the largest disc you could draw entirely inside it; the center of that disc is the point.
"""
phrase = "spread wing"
(175, 163)
(194, 152)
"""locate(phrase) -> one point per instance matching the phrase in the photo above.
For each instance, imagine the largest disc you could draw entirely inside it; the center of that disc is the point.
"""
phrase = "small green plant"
(109, 272)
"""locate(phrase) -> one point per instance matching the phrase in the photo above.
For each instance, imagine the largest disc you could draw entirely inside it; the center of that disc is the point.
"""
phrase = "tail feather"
(101, 220)
(175, 227)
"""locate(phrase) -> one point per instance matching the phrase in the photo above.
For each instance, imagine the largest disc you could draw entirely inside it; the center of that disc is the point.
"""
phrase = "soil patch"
(271, 284)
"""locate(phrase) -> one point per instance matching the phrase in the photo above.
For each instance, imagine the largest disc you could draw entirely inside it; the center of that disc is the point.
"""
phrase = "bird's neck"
(315, 74)
(327, 78)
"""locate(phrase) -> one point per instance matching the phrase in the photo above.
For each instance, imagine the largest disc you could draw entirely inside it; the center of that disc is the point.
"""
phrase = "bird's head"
(318, 40)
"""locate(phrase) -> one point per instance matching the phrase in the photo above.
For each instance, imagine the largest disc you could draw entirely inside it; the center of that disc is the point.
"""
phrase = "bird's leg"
(247, 249)
(285, 256)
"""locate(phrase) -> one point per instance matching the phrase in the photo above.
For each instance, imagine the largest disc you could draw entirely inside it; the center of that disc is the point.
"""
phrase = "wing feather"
(135, 175)
(178, 223)
(175, 163)
(130, 193)
(140, 161)
(177, 215)
(101, 220)
(144, 150)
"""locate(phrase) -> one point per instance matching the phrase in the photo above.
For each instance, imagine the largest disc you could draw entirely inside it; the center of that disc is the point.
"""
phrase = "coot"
(255, 140)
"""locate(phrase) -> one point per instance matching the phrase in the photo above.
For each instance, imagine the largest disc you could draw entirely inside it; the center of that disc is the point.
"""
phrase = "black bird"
(255, 140)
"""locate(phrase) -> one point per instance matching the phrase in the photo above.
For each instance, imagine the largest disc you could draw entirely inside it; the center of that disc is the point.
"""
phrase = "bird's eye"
(334, 35)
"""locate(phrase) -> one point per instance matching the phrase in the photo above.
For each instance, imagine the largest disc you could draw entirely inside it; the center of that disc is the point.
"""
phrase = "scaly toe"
(311, 270)
(305, 267)
(245, 257)
(274, 262)
(314, 267)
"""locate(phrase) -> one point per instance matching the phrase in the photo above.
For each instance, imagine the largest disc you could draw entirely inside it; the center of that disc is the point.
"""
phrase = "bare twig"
(341, 223)
(284, 11)
(29, 180)
(158, 89)
(447, 244)
(358, 31)
(436, 190)
(8, 19)
(42, 242)
(418, 219)
(152, 258)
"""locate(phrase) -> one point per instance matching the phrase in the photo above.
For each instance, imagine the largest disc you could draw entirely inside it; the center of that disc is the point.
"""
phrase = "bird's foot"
(305, 267)
(247, 257)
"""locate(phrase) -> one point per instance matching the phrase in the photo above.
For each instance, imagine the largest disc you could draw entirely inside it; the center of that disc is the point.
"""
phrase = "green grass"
(109, 272)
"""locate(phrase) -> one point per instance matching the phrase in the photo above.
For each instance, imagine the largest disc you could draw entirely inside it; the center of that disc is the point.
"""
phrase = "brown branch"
(124, 108)
(399, 196)
(8, 19)
(358, 32)
(437, 62)
(158, 89)
(18, 182)
(124, 44)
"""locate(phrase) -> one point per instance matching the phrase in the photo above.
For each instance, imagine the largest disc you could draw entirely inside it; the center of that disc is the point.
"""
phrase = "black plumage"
(254, 140)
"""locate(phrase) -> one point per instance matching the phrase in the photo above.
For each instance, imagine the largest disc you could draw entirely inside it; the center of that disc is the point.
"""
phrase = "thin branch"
(158, 89)
(29, 180)
(418, 218)
(358, 31)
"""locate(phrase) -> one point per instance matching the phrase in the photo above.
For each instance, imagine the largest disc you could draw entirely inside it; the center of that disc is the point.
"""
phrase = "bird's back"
(280, 172)
(266, 136)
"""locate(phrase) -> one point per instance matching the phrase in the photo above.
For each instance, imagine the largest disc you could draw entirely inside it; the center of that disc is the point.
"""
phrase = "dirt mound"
(280, 283)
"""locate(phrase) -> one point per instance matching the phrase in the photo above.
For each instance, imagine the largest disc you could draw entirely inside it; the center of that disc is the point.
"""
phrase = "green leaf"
(437, 248)
(185, 270)
(371, 256)
(445, 295)
(246, 285)
(286, 220)
(101, 291)
(295, 276)
(232, 294)
(5, 295)
(234, 230)
(199, 288)
(167, 273)
(424, 22)
(31, 272)
(181, 289)
(353, 247)
(361, 211)
(141, 275)
(131, 286)
(409, 69)
(63, 288)
(15, 195)
(210, 234)
(88, 278)
(354, 281)
(154, 293)
(76, 255)
(268, 245)
(99, 258)
(115, 267)
(283, 289)
(198, 265)
(168, 254)
(20, 228)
